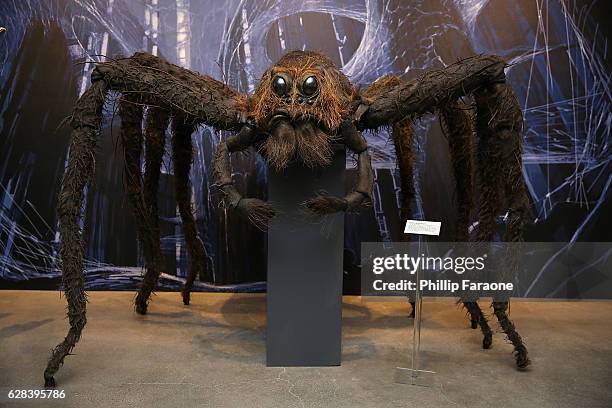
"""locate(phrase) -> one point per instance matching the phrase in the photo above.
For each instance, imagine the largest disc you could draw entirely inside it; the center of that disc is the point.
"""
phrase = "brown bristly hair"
(335, 90)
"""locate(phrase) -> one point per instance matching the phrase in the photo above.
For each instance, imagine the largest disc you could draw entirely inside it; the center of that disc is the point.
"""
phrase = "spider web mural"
(559, 68)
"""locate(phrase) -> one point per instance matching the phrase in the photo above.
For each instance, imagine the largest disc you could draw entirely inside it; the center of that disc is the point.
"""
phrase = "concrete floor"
(212, 354)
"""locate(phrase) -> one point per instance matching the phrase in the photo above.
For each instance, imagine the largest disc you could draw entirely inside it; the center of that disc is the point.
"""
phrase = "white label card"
(422, 227)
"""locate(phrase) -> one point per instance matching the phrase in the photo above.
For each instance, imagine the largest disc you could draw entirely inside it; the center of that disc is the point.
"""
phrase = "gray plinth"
(305, 269)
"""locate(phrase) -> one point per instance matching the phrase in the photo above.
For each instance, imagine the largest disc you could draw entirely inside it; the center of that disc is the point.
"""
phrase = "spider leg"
(477, 318)
(473, 317)
(149, 80)
(520, 351)
(499, 130)
(155, 139)
(182, 156)
(365, 179)
(327, 204)
(144, 199)
(489, 179)
(131, 141)
(499, 126)
(146, 80)
(152, 81)
(403, 139)
(257, 212)
(85, 122)
(428, 92)
(457, 126)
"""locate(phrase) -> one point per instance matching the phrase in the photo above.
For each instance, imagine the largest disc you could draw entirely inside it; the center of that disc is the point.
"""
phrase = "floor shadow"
(15, 329)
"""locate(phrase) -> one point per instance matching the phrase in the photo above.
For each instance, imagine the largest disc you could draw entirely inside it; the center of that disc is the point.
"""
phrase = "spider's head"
(301, 101)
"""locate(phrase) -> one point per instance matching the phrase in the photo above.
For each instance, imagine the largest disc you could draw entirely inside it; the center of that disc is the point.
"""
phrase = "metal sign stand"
(415, 375)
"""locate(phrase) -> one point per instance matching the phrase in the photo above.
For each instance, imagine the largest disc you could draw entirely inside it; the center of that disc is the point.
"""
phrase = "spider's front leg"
(429, 91)
(85, 122)
(149, 80)
(257, 212)
(327, 204)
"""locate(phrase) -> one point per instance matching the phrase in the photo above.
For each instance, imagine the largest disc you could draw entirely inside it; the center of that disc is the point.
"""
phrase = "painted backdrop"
(560, 71)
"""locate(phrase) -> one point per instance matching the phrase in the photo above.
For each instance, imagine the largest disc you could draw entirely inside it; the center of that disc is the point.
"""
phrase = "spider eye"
(310, 86)
(280, 86)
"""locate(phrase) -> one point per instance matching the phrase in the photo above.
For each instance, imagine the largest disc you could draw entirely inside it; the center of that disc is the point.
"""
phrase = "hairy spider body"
(302, 105)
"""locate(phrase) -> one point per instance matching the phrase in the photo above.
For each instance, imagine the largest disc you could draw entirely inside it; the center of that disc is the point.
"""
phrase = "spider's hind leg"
(478, 319)
(473, 321)
(499, 126)
(457, 125)
(155, 141)
(182, 156)
(520, 351)
(132, 140)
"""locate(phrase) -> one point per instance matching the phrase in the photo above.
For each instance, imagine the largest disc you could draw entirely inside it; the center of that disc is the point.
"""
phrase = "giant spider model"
(302, 104)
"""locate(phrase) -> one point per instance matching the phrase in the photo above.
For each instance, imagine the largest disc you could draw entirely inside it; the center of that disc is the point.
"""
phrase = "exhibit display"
(302, 105)
(334, 189)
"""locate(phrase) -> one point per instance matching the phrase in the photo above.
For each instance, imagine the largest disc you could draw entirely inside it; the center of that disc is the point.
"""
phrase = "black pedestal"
(305, 269)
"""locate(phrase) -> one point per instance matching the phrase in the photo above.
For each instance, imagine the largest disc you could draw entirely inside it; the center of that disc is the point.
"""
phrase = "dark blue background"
(560, 72)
